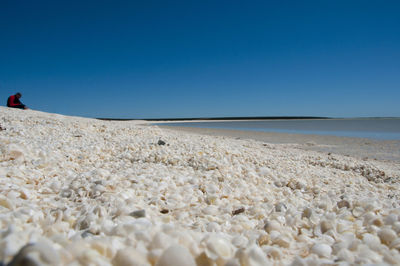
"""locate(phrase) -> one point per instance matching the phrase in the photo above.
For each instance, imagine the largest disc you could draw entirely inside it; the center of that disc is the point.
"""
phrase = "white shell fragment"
(78, 191)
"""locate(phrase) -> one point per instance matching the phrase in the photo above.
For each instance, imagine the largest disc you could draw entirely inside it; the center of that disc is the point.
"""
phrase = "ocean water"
(374, 128)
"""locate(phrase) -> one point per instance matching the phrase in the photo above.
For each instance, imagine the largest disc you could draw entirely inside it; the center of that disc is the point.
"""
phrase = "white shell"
(387, 236)
(254, 256)
(176, 255)
(396, 227)
(346, 255)
(129, 257)
(322, 250)
(281, 240)
(395, 244)
(240, 241)
(217, 247)
(358, 211)
(371, 240)
(391, 219)
(272, 226)
(161, 241)
(274, 253)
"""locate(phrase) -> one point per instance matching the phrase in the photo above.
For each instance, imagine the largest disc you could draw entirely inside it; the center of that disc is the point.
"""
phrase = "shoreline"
(214, 119)
(360, 148)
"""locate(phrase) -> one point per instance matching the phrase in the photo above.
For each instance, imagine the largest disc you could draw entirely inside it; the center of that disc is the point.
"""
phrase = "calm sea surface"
(375, 128)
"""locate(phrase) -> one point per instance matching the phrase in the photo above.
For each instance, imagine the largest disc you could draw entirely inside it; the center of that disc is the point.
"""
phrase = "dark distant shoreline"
(219, 118)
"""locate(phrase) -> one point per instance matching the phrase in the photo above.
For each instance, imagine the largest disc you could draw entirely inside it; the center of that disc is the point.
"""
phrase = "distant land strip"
(219, 118)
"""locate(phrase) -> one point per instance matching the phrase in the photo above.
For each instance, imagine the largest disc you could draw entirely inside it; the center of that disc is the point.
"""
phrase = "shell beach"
(80, 191)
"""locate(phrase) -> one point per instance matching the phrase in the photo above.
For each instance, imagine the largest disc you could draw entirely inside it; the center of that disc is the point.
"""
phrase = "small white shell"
(387, 236)
(272, 226)
(240, 241)
(396, 227)
(371, 240)
(322, 250)
(232, 262)
(358, 211)
(346, 255)
(368, 217)
(217, 247)
(281, 240)
(128, 257)
(254, 256)
(391, 219)
(353, 246)
(7, 203)
(395, 244)
(213, 227)
(161, 241)
(368, 256)
(210, 210)
(176, 255)
(343, 204)
(274, 253)
(263, 239)
(298, 261)
(391, 257)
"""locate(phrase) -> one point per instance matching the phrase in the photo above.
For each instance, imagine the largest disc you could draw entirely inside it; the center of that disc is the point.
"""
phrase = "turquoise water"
(374, 128)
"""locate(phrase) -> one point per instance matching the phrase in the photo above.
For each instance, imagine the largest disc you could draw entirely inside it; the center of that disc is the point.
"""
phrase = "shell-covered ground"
(78, 191)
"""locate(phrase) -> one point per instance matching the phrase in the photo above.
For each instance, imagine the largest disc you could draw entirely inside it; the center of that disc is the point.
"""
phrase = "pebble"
(161, 142)
(138, 213)
(35, 254)
(238, 211)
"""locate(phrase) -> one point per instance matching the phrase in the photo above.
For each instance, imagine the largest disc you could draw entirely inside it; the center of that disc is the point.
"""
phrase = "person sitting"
(14, 102)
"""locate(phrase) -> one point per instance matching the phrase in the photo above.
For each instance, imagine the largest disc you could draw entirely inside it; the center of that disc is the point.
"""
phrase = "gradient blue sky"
(154, 59)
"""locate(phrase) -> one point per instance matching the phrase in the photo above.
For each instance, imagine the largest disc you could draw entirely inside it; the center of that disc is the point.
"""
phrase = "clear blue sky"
(148, 59)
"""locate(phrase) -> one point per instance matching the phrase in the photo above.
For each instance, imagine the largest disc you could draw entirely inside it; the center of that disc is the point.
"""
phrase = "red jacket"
(13, 101)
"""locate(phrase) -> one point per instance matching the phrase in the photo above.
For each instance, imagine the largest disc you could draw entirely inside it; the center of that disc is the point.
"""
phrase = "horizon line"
(241, 118)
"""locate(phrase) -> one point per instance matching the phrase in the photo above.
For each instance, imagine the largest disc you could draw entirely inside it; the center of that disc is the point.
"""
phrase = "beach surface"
(362, 148)
(79, 191)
